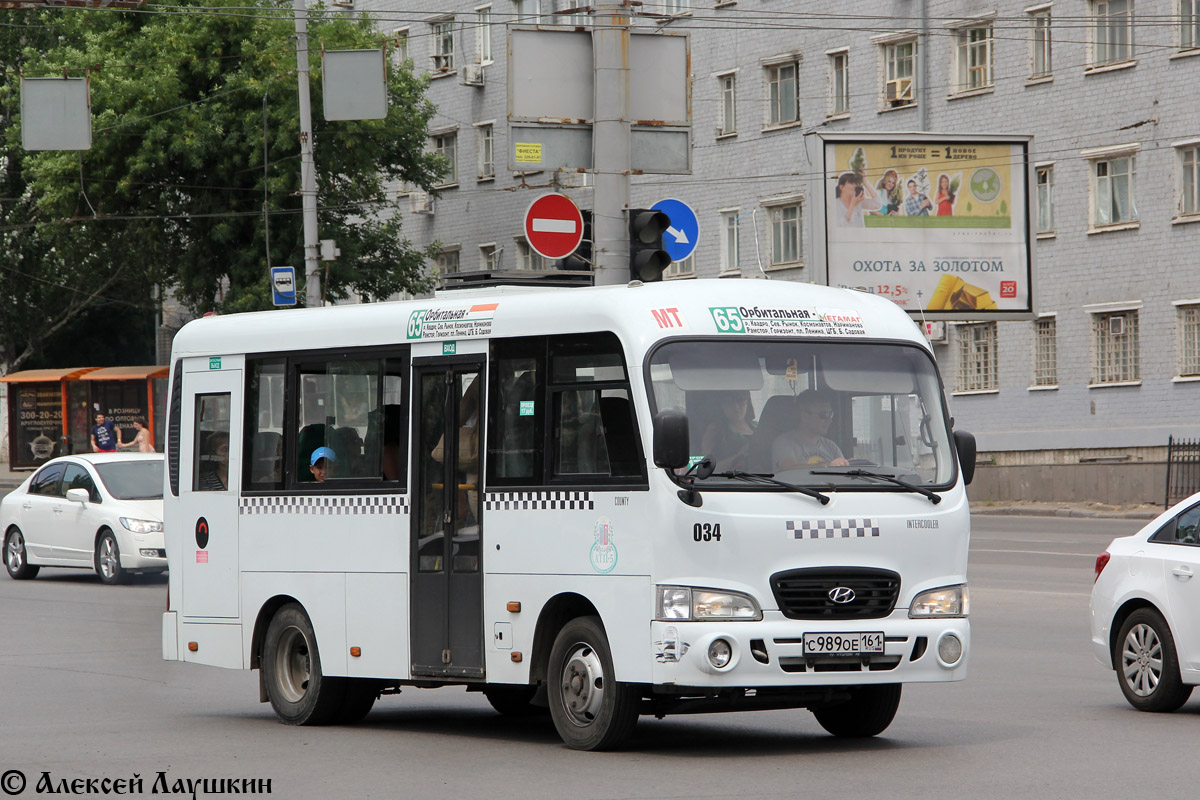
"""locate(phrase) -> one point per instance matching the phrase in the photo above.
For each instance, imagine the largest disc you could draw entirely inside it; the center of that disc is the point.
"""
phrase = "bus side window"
(264, 425)
(516, 411)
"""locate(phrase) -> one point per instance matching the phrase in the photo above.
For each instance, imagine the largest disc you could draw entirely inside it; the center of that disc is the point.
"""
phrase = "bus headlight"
(948, 601)
(141, 525)
(687, 603)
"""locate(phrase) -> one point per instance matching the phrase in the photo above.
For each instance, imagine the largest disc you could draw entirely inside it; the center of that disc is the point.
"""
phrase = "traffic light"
(647, 258)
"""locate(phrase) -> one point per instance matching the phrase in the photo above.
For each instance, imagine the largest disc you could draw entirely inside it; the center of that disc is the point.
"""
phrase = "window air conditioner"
(471, 75)
(899, 90)
(1116, 326)
(342, 3)
(421, 203)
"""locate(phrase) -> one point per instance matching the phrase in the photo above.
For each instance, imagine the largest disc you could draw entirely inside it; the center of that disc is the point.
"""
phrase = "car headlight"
(948, 601)
(687, 603)
(141, 525)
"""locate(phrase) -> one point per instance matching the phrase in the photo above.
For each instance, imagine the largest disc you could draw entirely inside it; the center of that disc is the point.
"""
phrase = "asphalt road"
(84, 694)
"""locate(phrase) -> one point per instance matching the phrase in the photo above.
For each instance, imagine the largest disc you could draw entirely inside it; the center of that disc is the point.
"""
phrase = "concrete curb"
(1021, 511)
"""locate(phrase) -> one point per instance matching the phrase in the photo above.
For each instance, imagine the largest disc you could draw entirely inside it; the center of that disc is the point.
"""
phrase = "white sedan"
(100, 511)
(1146, 609)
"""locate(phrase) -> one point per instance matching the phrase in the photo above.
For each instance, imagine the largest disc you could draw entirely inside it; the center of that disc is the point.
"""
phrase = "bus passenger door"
(447, 545)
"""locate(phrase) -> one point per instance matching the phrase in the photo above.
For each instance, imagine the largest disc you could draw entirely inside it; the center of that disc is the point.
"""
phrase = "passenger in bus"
(806, 445)
(726, 440)
(214, 469)
(321, 463)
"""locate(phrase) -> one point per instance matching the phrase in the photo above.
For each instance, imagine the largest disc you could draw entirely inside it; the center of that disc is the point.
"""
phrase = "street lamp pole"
(308, 167)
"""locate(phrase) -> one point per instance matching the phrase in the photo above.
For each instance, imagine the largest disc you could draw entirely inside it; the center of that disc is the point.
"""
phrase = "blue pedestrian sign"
(283, 285)
(683, 233)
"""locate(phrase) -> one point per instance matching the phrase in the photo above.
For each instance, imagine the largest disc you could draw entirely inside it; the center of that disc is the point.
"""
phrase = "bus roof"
(640, 314)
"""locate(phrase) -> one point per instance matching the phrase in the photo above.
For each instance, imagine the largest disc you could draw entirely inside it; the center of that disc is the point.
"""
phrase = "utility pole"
(308, 167)
(610, 142)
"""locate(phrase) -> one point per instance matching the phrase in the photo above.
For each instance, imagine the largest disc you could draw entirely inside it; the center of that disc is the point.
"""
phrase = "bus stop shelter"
(124, 394)
(41, 406)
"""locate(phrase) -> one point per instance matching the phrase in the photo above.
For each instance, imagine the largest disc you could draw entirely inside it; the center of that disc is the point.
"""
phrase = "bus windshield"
(826, 415)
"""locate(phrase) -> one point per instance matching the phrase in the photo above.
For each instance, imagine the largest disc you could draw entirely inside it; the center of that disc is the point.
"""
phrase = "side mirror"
(78, 496)
(671, 441)
(964, 443)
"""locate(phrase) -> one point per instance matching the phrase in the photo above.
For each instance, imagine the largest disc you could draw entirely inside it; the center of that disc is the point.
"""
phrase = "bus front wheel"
(591, 710)
(868, 712)
(298, 690)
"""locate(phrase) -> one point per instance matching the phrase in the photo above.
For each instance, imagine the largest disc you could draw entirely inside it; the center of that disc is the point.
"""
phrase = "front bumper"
(132, 546)
(771, 652)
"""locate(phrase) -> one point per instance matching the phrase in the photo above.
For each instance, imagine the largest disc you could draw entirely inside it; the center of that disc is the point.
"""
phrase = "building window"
(899, 83)
(1115, 347)
(782, 105)
(1189, 340)
(1113, 191)
(485, 149)
(977, 370)
(402, 53)
(528, 12)
(1189, 24)
(1112, 31)
(973, 57)
(447, 261)
(839, 84)
(728, 86)
(489, 257)
(1045, 198)
(675, 7)
(1041, 65)
(527, 257)
(1045, 352)
(1189, 185)
(785, 234)
(446, 146)
(678, 269)
(730, 244)
(483, 35)
(442, 33)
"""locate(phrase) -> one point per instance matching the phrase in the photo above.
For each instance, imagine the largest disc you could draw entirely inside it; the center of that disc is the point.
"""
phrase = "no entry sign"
(553, 226)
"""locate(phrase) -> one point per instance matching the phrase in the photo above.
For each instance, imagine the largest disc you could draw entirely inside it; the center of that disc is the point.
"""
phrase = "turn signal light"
(1101, 563)
(356, 651)
(193, 646)
(514, 606)
(516, 658)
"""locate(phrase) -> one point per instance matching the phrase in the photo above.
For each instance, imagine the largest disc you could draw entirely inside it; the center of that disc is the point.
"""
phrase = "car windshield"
(133, 480)
(827, 415)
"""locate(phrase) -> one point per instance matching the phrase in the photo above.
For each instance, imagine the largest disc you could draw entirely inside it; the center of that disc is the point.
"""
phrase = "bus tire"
(360, 697)
(298, 690)
(513, 701)
(867, 713)
(591, 711)
(16, 559)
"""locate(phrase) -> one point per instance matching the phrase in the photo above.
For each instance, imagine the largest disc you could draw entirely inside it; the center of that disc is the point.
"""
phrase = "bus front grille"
(820, 592)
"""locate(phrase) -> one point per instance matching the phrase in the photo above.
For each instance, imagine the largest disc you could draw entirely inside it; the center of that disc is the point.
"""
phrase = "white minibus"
(652, 499)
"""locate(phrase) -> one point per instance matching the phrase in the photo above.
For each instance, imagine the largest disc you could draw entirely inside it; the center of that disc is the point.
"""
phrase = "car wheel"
(108, 560)
(1147, 665)
(591, 711)
(513, 701)
(868, 712)
(16, 561)
(298, 690)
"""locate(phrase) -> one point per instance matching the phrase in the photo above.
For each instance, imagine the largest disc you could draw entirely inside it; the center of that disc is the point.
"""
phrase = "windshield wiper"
(934, 497)
(755, 477)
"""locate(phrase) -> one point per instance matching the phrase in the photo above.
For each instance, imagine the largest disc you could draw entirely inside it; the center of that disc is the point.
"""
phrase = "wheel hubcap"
(293, 666)
(16, 552)
(582, 685)
(1141, 660)
(108, 557)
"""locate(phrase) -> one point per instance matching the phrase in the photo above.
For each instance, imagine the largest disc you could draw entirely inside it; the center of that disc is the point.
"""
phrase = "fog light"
(950, 649)
(149, 552)
(719, 653)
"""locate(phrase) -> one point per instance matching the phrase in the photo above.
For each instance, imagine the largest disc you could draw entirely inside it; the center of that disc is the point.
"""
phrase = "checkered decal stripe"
(832, 529)
(335, 505)
(540, 501)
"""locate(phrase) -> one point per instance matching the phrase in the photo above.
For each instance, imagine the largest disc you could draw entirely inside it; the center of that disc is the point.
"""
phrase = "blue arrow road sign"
(283, 285)
(684, 232)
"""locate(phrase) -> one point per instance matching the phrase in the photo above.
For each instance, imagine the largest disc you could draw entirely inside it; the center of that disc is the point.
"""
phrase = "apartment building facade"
(1110, 366)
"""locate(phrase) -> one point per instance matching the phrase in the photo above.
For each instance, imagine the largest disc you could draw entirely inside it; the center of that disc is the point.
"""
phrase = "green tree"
(172, 190)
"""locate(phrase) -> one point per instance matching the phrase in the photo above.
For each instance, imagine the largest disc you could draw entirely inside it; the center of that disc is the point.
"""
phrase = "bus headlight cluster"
(687, 603)
(948, 601)
(141, 525)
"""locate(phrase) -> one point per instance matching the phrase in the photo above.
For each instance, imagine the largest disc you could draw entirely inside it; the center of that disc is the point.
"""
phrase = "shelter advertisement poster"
(938, 225)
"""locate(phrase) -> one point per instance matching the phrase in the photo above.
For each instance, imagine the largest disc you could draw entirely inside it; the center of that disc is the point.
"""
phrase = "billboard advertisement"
(938, 224)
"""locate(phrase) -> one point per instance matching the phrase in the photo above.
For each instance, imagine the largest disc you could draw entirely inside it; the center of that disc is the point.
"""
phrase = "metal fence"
(1183, 469)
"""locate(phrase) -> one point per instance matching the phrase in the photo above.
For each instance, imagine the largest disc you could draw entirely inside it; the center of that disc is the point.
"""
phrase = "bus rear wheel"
(298, 690)
(591, 710)
(868, 712)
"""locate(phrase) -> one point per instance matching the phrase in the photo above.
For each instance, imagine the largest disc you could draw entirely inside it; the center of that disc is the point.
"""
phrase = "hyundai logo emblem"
(841, 594)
